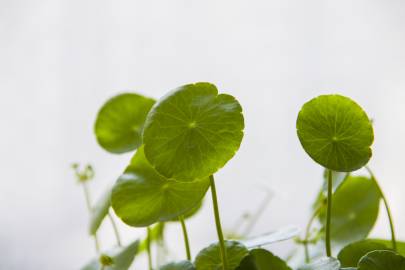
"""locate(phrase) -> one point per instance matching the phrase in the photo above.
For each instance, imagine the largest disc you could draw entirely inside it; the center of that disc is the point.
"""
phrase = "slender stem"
(148, 249)
(329, 215)
(90, 208)
(115, 228)
(387, 208)
(185, 234)
(308, 229)
(255, 217)
(218, 224)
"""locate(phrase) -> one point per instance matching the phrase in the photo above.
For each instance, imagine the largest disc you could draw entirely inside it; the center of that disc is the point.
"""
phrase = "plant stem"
(115, 228)
(307, 231)
(218, 224)
(185, 235)
(387, 208)
(90, 208)
(148, 249)
(329, 215)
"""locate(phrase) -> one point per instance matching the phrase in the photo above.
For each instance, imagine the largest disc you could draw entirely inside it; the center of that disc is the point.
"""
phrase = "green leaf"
(272, 237)
(122, 258)
(156, 234)
(100, 211)
(382, 260)
(210, 258)
(335, 132)
(193, 211)
(119, 122)
(350, 255)
(261, 259)
(192, 132)
(354, 210)
(142, 197)
(322, 264)
(388, 243)
(182, 265)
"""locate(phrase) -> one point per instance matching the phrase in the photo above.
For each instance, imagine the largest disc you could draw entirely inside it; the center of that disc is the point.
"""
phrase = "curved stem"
(90, 208)
(387, 208)
(115, 228)
(307, 231)
(218, 224)
(185, 234)
(148, 249)
(329, 216)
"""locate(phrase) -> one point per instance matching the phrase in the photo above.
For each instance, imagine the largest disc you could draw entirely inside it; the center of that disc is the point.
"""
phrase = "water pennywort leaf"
(119, 122)
(327, 263)
(142, 197)
(261, 259)
(192, 132)
(350, 255)
(335, 132)
(100, 211)
(182, 265)
(382, 260)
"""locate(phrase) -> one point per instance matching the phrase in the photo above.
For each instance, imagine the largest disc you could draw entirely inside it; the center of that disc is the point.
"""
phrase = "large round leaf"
(335, 132)
(182, 265)
(192, 132)
(142, 197)
(350, 255)
(119, 122)
(327, 263)
(354, 210)
(261, 259)
(210, 257)
(382, 260)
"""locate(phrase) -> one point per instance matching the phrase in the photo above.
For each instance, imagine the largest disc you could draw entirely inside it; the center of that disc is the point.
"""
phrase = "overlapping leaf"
(261, 259)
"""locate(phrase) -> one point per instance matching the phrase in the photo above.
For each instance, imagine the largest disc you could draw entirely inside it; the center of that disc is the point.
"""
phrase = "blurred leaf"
(156, 233)
(142, 197)
(192, 132)
(322, 264)
(100, 211)
(335, 132)
(400, 245)
(261, 259)
(272, 237)
(119, 122)
(350, 255)
(122, 258)
(382, 260)
(210, 258)
(338, 178)
(182, 265)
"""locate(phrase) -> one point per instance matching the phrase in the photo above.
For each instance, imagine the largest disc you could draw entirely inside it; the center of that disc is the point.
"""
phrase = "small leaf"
(350, 255)
(272, 237)
(335, 132)
(142, 197)
(322, 264)
(382, 260)
(210, 257)
(354, 210)
(261, 259)
(122, 258)
(119, 122)
(182, 265)
(100, 211)
(192, 132)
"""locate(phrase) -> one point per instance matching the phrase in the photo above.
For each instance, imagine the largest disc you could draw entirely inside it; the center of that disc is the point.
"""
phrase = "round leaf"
(119, 122)
(210, 257)
(327, 263)
(350, 255)
(182, 265)
(382, 260)
(192, 132)
(335, 132)
(142, 197)
(354, 210)
(388, 243)
(261, 259)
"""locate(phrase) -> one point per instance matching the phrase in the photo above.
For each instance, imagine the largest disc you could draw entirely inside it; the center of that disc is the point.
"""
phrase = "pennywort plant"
(178, 144)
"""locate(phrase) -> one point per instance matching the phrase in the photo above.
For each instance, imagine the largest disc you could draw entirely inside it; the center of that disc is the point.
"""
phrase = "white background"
(60, 60)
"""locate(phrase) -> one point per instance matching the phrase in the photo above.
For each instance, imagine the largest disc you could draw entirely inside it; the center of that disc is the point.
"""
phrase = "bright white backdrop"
(60, 60)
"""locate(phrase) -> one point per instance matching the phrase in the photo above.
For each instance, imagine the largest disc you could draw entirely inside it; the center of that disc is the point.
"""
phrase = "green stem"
(387, 208)
(148, 249)
(218, 224)
(115, 228)
(308, 229)
(185, 234)
(329, 216)
(90, 208)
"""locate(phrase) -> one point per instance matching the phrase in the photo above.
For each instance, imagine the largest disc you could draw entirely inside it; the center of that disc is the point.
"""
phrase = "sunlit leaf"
(142, 197)
(122, 258)
(210, 257)
(182, 265)
(322, 264)
(382, 260)
(100, 211)
(261, 259)
(272, 237)
(335, 132)
(119, 122)
(350, 255)
(192, 132)
(193, 211)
